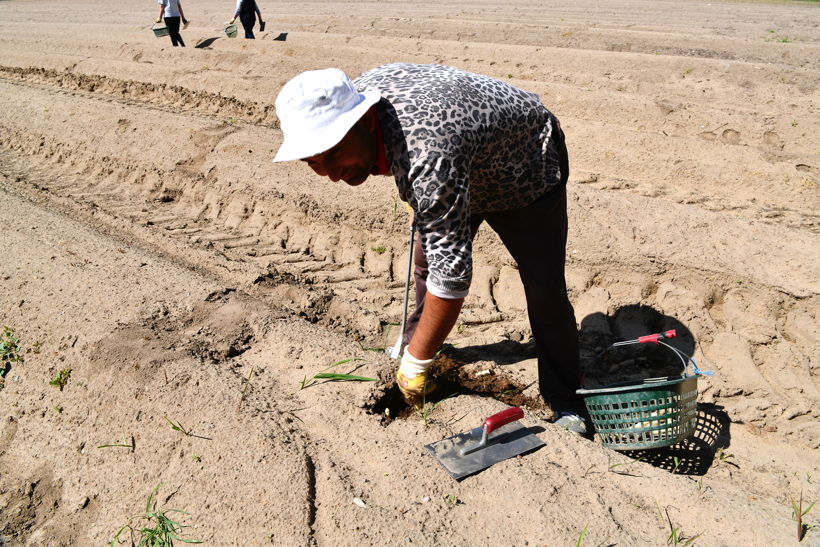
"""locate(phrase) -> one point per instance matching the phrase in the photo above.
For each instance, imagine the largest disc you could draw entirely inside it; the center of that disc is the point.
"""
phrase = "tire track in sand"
(170, 98)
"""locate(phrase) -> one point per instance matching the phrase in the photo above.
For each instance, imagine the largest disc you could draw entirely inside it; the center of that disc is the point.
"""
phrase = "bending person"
(463, 149)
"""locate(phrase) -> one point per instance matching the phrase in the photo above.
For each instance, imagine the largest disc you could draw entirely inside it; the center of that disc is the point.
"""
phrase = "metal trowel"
(501, 436)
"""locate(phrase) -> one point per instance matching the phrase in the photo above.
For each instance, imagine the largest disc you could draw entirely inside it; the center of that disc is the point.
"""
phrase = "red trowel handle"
(653, 338)
(503, 418)
(491, 424)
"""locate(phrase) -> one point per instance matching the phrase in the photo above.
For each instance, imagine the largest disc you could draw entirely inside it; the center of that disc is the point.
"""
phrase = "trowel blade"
(505, 442)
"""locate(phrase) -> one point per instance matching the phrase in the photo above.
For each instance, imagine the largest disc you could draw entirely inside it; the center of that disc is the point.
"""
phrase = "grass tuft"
(676, 536)
(187, 432)
(10, 352)
(324, 375)
(245, 390)
(132, 446)
(724, 457)
(581, 537)
(797, 515)
(60, 379)
(427, 408)
(343, 377)
(154, 528)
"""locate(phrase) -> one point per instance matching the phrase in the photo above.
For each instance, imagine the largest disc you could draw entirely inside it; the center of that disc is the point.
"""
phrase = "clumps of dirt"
(297, 294)
(220, 328)
(274, 278)
(454, 380)
(33, 501)
(492, 384)
(390, 405)
(222, 295)
(214, 347)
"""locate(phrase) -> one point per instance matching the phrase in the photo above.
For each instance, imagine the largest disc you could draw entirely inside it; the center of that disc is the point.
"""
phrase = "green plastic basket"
(652, 413)
(160, 31)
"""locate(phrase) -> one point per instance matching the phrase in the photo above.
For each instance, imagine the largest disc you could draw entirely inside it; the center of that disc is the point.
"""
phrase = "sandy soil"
(151, 247)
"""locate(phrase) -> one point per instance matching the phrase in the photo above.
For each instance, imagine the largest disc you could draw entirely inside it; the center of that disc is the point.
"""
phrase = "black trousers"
(173, 29)
(248, 21)
(536, 237)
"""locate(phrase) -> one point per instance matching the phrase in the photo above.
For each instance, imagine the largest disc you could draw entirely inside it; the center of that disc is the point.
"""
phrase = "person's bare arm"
(161, 11)
(435, 324)
(181, 14)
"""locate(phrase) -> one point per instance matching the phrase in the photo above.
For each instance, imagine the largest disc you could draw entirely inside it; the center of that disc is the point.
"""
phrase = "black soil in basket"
(632, 364)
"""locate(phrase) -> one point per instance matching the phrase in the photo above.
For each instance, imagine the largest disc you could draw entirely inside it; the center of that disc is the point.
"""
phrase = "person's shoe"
(414, 390)
(572, 422)
(185, 24)
(261, 26)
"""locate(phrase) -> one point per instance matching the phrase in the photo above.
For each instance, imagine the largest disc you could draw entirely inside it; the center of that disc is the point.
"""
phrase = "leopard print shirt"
(458, 144)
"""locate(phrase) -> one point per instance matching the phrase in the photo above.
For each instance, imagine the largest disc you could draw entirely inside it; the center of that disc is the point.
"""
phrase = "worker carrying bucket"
(463, 149)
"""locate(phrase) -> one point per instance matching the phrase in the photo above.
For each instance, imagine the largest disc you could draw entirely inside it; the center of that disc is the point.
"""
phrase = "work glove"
(413, 381)
(410, 366)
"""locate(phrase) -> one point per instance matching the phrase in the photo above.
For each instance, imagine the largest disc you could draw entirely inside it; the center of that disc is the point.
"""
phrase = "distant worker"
(463, 149)
(172, 11)
(247, 11)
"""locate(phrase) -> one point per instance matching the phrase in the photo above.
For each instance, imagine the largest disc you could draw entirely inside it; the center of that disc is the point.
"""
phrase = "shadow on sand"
(694, 455)
(206, 43)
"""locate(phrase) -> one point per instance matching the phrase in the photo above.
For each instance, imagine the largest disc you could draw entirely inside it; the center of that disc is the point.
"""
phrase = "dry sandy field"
(172, 293)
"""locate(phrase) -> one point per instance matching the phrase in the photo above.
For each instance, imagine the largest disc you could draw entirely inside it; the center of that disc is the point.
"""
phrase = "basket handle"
(657, 338)
(659, 380)
(649, 338)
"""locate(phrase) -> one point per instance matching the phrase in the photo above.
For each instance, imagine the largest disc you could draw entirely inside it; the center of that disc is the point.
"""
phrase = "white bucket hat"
(316, 109)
